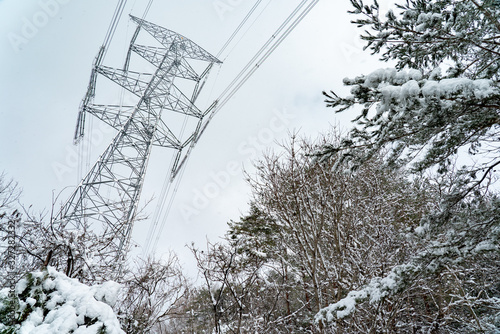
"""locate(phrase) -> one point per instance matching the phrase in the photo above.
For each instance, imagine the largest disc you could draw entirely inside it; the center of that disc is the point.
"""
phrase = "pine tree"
(440, 101)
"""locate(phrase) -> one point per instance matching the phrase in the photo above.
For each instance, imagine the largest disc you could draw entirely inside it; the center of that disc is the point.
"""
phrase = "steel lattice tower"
(106, 200)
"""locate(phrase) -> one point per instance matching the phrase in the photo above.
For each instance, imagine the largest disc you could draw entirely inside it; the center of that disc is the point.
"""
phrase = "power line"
(113, 25)
(257, 60)
(249, 27)
(165, 193)
(263, 48)
(237, 30)
(146, 11)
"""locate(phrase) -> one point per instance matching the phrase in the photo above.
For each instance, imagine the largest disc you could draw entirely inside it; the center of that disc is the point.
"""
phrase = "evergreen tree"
(441, 100)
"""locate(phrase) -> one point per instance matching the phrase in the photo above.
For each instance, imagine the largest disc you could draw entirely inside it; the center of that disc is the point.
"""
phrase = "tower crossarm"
(165, 138)
(175, 101)
(154, 55)
(134, 82)
(113, 115)
(167, 37)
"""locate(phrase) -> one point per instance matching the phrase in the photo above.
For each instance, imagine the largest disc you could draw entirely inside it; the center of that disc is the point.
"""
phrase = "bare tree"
(311, 235)
(340, 228)
(153, 294)
(9, 193)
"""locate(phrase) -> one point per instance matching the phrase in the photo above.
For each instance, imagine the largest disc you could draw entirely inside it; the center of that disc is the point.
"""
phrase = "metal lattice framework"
(107, 197)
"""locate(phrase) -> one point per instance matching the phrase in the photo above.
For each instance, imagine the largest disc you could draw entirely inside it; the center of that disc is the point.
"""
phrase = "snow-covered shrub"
(47, 302)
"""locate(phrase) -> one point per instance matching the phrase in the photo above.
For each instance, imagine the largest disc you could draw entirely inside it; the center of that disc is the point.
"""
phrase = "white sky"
(45, 71)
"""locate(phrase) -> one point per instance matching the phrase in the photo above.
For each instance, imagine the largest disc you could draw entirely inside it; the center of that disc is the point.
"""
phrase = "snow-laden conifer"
(440, 101)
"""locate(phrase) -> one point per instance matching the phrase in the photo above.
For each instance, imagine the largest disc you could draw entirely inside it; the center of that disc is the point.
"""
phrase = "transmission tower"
(106, 200)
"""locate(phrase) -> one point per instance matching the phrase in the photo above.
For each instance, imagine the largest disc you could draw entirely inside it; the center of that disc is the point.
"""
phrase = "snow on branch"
(374, 292)
(477, 233)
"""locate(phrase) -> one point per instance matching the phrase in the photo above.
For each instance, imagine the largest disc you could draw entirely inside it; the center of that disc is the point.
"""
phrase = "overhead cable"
(237, 30)
(162, 208)
(113, 24)
(257, 60)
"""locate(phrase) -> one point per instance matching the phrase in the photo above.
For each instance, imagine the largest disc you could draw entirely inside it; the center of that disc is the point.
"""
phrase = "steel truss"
(106, 200)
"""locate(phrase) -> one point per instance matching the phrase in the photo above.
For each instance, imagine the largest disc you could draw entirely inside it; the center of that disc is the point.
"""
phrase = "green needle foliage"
(440, 103)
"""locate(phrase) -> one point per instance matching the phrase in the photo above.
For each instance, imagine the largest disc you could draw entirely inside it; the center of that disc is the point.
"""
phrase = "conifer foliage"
(442, 99)
(415, 107)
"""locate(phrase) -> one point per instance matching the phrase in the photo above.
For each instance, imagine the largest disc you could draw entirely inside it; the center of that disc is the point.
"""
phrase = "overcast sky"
(46, 51)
